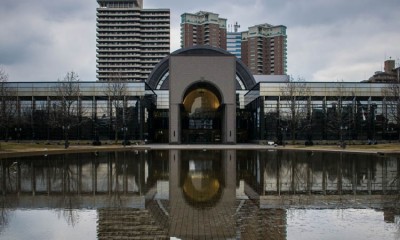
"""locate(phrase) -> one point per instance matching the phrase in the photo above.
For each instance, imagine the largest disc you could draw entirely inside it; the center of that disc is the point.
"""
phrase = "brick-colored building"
(264, 49)
(203, 28)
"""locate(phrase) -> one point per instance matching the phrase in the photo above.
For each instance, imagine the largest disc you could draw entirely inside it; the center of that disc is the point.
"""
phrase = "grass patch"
(13, 146)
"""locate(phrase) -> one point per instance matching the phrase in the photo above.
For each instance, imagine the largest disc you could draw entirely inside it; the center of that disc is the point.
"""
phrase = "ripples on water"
(340, 224)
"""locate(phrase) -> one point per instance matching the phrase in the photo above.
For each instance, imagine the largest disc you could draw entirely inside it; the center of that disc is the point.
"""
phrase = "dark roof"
(163, 67)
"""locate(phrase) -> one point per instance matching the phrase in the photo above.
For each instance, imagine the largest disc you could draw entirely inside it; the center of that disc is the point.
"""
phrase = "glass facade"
(325, 112)
(234, 43)
(40, 113)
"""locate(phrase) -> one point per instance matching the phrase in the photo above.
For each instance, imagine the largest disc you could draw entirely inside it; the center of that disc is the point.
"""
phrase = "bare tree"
(65, 112)
(116, 92)
(340, 114)
(294, 99)
(8, 104)
(392, 95)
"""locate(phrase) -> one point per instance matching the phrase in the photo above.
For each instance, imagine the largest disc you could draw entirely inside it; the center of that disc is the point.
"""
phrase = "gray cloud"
(42, 40)
(327, 40)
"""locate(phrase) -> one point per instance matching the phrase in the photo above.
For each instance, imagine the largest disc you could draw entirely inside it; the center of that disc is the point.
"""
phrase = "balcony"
(129, 50)
(115, 24)
(122, 41)
(116, 34)
(124, 55)
(118, 45)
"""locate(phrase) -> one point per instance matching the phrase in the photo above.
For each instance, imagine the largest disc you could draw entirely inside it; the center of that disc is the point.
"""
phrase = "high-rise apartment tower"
(264, 49)
(203, 28)
(130, 40)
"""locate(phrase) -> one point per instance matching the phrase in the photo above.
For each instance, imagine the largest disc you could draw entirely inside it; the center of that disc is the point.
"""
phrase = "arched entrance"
(202, 97)
(201, 114)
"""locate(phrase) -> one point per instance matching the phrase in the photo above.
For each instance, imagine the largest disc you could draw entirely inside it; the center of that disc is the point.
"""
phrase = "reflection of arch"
(201, 189)
(202, 179)
(159, 77)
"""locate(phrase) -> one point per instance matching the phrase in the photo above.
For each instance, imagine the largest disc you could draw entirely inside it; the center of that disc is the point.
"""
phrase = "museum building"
(202, 95)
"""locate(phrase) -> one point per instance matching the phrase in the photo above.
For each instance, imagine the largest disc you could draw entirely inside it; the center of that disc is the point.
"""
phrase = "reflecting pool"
(201, 194)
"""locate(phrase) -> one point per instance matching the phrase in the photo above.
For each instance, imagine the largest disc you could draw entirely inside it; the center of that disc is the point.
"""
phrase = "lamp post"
(66, 129)
(96, 139)
(18, 133)
(284, 130)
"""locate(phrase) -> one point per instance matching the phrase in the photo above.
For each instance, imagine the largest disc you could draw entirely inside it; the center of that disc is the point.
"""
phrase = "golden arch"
(201, 114)
(201, 101)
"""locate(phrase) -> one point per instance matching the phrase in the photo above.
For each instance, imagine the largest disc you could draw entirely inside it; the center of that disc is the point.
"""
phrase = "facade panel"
(234, 43)
(130, 40)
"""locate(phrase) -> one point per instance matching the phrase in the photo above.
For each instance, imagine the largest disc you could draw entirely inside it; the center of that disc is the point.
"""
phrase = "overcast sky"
(328, 40)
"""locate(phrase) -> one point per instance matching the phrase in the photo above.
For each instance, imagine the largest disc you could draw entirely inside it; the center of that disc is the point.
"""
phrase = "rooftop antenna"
(236, 26)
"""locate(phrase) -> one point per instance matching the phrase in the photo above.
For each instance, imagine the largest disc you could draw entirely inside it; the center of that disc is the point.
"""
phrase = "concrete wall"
(219, 71)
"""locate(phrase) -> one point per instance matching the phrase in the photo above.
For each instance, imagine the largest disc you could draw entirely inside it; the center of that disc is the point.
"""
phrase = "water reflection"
(202, 194)
(214, 194)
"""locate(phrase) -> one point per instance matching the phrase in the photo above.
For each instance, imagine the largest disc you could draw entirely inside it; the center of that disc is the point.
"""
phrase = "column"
(109, 174)
(19, 178)
(94, 174)
(261, 103)
(33, 109)
(141, 118)
(174, 124)
(369, 176)
(384, 176)
(340, 177)
(125, 176)
(33, 179)
(79, 166)
(48, 180)
(175, 193)
(324, 126)
(309, 175)
(94, 118)
(278, 169)
(48, 117)
(354, 177)
(3, 180)
(398, 169)
(229, 125)
(324, 176)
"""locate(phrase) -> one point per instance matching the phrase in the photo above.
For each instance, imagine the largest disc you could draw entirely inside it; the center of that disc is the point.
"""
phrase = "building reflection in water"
(199, 194)
(202, 194)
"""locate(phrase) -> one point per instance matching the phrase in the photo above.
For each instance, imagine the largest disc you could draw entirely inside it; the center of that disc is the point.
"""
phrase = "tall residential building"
(130, 40)
(203, 28)
(264, 49)
(234, 41)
